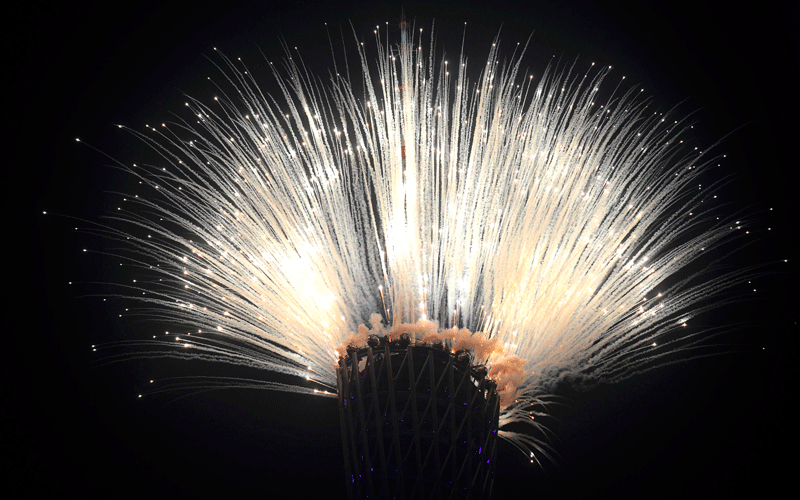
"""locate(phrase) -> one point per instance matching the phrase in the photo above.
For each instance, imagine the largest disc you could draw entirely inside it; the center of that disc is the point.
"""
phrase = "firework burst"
(558, 233)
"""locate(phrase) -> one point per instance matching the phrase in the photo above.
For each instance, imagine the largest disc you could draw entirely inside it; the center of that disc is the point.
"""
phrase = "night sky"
(717, 427)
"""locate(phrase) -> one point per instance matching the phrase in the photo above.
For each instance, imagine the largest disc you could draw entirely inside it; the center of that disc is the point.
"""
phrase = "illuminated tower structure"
(418, 421)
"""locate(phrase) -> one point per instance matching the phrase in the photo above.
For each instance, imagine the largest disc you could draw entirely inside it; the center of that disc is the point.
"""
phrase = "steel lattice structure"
(418, 421)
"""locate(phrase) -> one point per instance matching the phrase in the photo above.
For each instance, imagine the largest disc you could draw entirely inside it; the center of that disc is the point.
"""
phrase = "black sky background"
(718, 427)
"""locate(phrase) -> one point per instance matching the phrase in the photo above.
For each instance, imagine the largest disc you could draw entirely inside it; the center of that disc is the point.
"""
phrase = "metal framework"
(417, 422)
